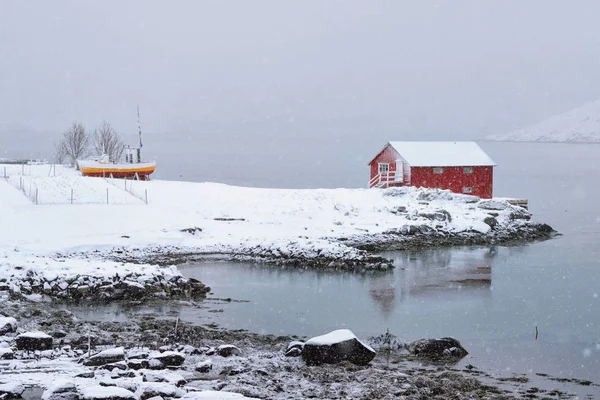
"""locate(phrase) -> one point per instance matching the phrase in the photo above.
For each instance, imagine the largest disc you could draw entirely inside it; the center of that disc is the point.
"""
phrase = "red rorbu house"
(461, 167)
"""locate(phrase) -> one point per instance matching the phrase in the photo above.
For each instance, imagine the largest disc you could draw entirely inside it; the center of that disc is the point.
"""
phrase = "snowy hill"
(581, 125)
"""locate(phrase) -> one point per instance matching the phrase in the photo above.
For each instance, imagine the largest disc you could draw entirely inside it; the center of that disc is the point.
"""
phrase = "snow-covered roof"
(442, 154)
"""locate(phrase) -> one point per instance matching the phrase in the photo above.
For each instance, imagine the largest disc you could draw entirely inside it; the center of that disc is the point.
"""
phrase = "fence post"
(125, 183)
(71, 195)
(36, 196)
(20, 183)
(146, 191)
(5, 172)
(106, 195)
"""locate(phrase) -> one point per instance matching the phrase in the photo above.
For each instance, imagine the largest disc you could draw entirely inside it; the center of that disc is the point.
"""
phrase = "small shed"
(462, 167)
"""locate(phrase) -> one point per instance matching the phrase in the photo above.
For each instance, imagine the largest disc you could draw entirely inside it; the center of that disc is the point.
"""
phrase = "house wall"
(454, 179)
(387, 155)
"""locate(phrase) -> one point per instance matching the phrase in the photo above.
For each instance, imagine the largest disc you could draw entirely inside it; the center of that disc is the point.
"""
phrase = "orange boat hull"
(93, 168)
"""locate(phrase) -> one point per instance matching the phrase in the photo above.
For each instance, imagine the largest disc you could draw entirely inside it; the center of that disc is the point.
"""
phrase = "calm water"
(491, 299)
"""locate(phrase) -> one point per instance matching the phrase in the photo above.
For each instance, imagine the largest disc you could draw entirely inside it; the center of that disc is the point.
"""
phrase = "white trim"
(379, 165)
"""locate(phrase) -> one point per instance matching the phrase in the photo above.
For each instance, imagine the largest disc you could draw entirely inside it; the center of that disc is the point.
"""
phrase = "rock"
(147, 390)
(230, 370)
(438, 215)
(106, 393)
(438, 349)
(89, 374)
(204, 366)
(106, 357)
(491, 221)
(135, 355)
(6, 353)
(11, 391)
(169, 358)
(61, 390)
(7, 325)
(138, 364)
(228, 350)
(156, 364)
(211, 351)
(294, 349)
(519, 213)
(120, 365)
(34, 341)
(337, 346)
(493, 205)
(58, 334)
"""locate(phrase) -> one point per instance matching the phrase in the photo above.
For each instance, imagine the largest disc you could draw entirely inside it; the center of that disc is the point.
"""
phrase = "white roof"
(442, 154)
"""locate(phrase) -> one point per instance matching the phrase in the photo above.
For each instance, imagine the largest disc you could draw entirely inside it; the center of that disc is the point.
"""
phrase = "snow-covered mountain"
(580, 125)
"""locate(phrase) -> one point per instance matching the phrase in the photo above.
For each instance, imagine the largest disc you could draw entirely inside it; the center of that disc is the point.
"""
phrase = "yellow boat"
(105, 169)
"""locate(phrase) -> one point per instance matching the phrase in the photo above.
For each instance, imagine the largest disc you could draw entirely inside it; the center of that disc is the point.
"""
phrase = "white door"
(399, 177)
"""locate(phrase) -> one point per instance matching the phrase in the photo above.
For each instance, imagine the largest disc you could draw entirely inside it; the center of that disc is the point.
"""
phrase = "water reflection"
(448, 273)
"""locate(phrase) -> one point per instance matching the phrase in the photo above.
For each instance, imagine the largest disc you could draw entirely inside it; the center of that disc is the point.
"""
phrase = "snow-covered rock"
(6, 353)
(294, 349)
(337, 346)
(11, 390)
(106, 357)
(61, 390)
(7, 325)
(34, 341)
(169, 358)
(204, 366)
(228, 350)
(146, 390)
(106, 393)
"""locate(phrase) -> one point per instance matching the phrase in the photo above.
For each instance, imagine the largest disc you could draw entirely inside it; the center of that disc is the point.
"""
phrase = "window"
(384, 168)
(468, 170)
(438, 170)
(467, 189)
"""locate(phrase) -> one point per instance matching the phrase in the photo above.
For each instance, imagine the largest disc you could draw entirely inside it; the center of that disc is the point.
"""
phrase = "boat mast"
(139, 152)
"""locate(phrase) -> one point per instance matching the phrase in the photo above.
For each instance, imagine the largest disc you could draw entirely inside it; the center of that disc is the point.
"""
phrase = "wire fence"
(47, 184)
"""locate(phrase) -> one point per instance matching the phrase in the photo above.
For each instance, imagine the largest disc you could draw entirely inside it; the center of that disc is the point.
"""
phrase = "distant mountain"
(581, 125)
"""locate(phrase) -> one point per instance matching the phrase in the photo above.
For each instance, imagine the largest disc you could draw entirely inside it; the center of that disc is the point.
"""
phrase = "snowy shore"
(69, 236)
(146, 357)
(74, 238)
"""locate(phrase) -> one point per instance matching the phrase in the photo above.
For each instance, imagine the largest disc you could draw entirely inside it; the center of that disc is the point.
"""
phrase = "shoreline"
(261, 370)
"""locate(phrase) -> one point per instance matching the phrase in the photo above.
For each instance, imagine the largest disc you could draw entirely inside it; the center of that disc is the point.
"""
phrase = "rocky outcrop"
(337, 346)
(104, 289)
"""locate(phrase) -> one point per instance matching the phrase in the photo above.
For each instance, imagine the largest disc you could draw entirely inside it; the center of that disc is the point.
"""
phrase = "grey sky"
(350, 69)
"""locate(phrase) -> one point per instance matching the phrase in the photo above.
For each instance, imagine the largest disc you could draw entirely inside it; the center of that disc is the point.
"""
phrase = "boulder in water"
(337, 346)
(446, 348)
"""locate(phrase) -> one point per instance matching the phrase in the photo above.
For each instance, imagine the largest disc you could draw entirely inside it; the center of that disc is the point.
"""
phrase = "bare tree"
(60, 152)
(106, 141)
(76, 142)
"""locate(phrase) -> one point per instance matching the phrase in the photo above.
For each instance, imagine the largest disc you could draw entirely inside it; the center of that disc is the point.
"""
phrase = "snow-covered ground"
(580, 125)
(39, 238)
